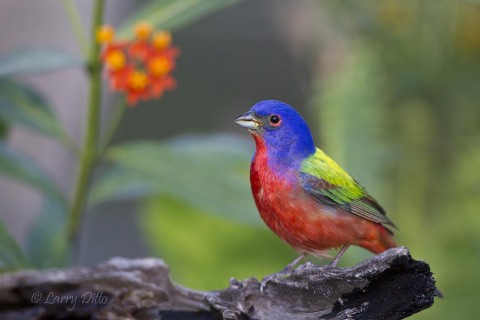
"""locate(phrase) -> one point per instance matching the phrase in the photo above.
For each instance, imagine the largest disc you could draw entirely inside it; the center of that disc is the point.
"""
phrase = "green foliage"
(350, 108)
(404, 107)
(30, 60)
(22, 168)
(119, 183)
(210, 173)
(11, 256)
(204, 251)
(4, 129)
(172, 14)
(46, 245)
(51, 234)
(22, 105)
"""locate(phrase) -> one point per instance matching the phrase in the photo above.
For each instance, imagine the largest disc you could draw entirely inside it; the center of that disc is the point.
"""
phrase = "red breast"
(301, 221)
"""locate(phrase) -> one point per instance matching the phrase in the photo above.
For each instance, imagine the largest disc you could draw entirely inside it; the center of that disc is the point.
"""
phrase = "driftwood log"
(389, 286)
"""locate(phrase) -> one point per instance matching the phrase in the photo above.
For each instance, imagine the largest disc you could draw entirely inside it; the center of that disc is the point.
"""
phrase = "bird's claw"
(274, 277)
(288, 271)
(234, 283)
(265, 280)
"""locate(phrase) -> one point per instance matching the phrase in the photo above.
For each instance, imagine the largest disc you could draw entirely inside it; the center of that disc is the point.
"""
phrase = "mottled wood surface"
(388, 286)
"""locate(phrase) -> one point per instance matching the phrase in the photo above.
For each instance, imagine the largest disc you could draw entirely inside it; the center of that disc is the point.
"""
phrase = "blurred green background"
(391, 90)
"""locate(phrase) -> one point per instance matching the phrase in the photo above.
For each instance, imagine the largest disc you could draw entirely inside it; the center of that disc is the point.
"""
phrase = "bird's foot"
(286, 272)
(235, 284)
(273, 277)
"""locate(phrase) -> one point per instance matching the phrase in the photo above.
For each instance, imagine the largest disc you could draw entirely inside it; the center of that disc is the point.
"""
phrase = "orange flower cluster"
(142, 67)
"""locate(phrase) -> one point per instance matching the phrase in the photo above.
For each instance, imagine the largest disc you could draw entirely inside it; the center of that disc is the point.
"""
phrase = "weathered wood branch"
(388, 286)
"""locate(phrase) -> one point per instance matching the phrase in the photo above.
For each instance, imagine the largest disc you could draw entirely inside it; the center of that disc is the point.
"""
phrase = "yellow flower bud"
(143, 30)
(162, 39)
(138, 80)
(159, 66)
(105, 34)
(115, 60)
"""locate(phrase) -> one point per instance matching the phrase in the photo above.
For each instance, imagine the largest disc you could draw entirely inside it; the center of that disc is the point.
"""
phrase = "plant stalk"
(90, 146)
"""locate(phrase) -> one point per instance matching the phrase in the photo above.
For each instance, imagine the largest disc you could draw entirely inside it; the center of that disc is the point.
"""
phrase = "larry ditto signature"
(70, 301)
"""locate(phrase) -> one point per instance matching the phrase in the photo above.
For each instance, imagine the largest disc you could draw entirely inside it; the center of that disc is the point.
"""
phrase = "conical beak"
(248, 120)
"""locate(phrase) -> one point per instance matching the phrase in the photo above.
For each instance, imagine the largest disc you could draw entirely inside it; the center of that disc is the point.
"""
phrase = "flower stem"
(90, 145)
(73, 16)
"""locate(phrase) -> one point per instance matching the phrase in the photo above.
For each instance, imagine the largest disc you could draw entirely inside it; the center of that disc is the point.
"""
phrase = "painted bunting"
(304, 196)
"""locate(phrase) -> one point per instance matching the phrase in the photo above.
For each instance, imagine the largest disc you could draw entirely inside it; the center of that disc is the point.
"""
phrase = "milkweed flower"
(142, 68)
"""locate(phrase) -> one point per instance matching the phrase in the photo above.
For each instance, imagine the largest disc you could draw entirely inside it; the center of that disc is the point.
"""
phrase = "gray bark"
(388, 286)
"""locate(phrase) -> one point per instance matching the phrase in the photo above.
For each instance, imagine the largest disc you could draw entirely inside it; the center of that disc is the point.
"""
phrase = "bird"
(303, 195)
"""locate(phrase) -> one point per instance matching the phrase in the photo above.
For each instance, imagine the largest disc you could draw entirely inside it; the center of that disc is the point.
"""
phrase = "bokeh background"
(391, 90)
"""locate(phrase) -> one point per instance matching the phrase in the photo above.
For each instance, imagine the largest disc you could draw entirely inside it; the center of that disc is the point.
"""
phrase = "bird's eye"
(275, 120)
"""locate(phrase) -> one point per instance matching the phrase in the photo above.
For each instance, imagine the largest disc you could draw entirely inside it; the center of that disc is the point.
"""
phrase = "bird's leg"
(289, 268)
(287, 271)
(339, 255)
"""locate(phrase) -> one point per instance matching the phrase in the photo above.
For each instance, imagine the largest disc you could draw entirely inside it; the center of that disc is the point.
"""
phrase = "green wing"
(323, 179)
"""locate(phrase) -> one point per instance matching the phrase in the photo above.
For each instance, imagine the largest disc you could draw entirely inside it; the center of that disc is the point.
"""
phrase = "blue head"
(286, 135)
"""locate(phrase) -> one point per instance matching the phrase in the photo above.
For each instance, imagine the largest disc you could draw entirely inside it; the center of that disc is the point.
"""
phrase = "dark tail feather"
(438, 293)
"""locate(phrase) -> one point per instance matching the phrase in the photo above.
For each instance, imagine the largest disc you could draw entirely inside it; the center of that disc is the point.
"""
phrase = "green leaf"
(11, 256)
(210, 173)
(4, 129)
(30, 60)
(20, 167)
(171, 14)
(22, 105)
(120, 183)
(46, 244)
